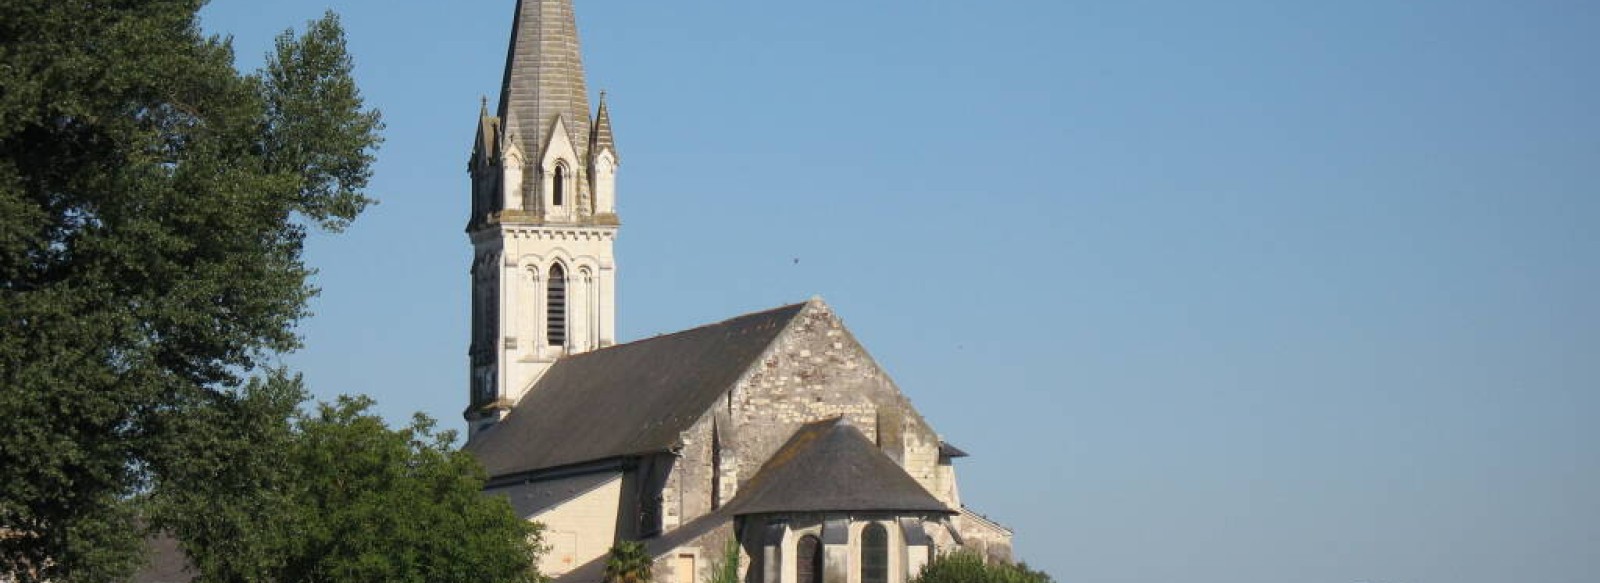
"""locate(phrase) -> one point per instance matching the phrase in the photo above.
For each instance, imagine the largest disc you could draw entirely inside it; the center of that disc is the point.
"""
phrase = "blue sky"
(1239, 291)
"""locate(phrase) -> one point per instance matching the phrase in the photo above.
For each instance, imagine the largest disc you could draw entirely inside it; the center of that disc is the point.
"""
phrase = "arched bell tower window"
(556, 306)
(808, 560)
(558, 190)
(874, 554)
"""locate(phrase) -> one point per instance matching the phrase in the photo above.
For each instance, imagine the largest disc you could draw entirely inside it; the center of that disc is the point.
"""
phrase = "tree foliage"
(335, 495)
(154, 203)
(629, 562)
(969, 567)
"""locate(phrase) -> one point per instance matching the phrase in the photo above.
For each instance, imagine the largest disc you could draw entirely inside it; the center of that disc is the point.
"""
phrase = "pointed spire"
(600, 137)
(486, 148)
(544, 76)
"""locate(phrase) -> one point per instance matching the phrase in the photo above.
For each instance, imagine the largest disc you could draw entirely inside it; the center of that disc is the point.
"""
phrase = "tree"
(629, 562)
(153, 207)
(969, 567)
(335, 495)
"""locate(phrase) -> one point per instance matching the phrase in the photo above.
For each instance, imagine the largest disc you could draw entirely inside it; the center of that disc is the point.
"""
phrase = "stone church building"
(774, 429)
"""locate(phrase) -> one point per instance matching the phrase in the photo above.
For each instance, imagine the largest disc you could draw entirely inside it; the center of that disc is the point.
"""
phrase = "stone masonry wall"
(816, 370)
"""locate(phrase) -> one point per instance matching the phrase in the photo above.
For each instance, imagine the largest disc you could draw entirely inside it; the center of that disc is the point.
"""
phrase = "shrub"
(969, 567)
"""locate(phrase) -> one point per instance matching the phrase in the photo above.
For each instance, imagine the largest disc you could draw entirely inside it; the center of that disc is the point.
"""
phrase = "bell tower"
(543, 217)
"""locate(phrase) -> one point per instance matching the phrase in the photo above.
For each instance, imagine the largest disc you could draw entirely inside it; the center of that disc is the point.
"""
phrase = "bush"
(629, 562)
(969, 567)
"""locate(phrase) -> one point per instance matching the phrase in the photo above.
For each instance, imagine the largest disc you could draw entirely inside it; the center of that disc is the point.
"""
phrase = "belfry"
(543, 216)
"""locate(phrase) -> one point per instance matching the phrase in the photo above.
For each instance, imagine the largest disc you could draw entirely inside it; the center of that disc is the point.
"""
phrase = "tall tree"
(154, 202)
(335, 495)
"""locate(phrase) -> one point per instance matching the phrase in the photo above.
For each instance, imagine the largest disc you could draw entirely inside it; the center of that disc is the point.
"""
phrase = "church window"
(556, 307)
(874, 554)
(716, 469)
(808, 560)
(558, 189)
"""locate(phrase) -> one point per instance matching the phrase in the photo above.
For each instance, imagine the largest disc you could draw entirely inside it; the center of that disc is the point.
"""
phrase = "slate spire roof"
(629, 399)
(830, 465)
(486, 148)
(600, 138)
(544, 77)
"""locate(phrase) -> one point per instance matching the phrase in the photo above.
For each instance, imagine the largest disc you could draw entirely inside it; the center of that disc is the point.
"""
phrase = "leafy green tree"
(154, 203)
(629, 562)
(969, 567)
(336, 495)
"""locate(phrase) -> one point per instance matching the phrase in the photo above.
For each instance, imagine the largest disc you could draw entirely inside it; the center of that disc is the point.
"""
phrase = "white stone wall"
(984, 536)
(521, 256)
(581, 529)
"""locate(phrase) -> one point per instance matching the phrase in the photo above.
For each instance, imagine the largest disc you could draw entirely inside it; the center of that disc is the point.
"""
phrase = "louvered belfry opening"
(556, 307)
(808, 560)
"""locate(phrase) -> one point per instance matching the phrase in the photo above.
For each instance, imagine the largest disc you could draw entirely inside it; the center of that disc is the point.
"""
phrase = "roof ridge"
(684, 331)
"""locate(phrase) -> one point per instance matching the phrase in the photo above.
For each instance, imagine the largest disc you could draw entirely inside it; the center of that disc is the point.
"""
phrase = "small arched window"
(556, 307)
(558, 190)
(874, 554)
(808, 560)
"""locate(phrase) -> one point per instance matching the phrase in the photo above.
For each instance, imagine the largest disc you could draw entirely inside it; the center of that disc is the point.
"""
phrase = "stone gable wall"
(816, 370)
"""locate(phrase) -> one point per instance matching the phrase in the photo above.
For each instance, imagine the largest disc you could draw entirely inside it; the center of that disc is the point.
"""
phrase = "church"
(775, 430)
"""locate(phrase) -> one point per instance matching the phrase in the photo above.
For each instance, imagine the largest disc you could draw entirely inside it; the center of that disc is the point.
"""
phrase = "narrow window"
(556, 307)
(559, 189)
(874, 554)
(808, 560)
(716, 469)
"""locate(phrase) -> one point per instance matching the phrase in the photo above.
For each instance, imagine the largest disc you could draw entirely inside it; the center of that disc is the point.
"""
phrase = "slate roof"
(626, 400)
(600, 137)
(487, 147)
(831, 466)
(544, 77)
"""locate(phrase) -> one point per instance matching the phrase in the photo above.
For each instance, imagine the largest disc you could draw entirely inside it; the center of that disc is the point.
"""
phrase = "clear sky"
(1213, 292)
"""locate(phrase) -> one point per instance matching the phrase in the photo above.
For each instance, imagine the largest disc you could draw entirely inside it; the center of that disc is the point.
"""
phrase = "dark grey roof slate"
(600, 137)
(831, 466)
(628, 399)
(544, 77)
(487, 148)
